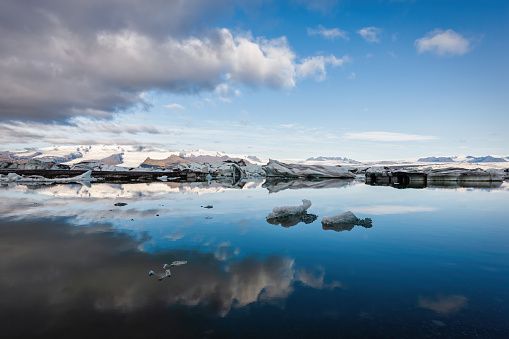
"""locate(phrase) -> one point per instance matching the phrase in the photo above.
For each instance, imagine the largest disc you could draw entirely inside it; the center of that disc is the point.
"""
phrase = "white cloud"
(443, 42)
(352, 76)
(370, 34)
(62, 73)
(386, 136)
(175, 106)
(225, 92)
(315, 66)
(331, 33)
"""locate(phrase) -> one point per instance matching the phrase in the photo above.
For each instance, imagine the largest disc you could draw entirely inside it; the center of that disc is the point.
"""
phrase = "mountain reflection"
(58, 276)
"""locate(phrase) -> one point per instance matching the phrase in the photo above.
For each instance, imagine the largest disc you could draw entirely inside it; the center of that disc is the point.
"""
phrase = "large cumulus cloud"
(59, 59)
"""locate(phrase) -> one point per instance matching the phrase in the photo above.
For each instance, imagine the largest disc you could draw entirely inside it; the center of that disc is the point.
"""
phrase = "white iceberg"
(279, 169)
(344, 221)
(285, 211)
(15, 178)
(341, 218)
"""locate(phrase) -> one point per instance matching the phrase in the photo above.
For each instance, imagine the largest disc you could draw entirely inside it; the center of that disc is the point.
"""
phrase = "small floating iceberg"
(285, 211)
(287, 216)
(344, 221)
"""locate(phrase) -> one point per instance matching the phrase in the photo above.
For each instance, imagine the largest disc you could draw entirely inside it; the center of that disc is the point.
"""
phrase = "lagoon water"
(435, 262)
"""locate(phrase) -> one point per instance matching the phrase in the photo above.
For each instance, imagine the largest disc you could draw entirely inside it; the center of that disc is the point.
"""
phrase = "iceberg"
(97, 166)
(276, 168)
(235, 168)
(344, 221)
(284, 211)
(287, 216)
(15, 178)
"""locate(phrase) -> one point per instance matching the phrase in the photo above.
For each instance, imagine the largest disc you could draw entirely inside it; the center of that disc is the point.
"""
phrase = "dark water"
(435, 262)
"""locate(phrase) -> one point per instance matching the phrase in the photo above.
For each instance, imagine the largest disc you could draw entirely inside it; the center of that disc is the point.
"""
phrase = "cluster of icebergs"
(237, 168)
(15, 178)
(287, 216)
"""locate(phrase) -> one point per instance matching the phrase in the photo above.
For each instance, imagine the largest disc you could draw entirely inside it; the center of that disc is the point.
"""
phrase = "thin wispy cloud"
(370, 34)
(386, 136)
(321, 6)
(444, 43)
(76, 133)
(175, 107)
(316, 66)
(328, 33)
(226, 93)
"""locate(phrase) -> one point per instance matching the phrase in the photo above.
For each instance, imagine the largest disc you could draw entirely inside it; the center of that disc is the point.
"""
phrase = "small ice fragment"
(168, 272)
(151, 272)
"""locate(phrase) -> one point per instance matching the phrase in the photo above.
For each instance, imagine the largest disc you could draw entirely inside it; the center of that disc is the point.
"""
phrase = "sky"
(367, 80)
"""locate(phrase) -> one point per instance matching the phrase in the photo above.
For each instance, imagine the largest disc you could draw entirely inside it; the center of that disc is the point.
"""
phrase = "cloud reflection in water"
(79, 274)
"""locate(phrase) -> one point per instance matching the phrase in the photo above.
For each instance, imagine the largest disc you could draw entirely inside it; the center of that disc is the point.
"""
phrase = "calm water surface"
(435, 262)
